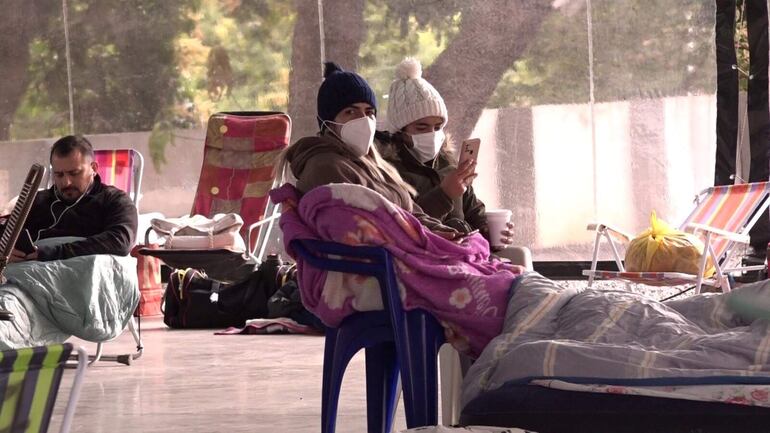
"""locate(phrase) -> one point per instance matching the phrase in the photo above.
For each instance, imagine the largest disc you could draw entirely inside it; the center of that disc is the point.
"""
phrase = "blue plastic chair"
(396, 341)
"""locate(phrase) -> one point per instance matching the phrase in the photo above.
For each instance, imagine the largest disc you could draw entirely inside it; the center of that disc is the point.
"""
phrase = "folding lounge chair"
(238, 171)
(723, 216)
(29, 384)
(122, 168)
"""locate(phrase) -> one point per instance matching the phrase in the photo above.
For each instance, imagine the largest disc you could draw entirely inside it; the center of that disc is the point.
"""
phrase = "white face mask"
(427, 145)
(358, 134)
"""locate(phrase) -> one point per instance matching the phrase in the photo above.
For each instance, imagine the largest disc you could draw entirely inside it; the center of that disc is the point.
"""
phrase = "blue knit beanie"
(341, 89)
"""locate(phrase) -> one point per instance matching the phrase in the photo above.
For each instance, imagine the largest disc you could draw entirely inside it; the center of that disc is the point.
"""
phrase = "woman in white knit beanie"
(416, 145)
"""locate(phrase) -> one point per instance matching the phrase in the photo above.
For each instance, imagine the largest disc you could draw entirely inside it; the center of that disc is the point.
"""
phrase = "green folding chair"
(29, 383)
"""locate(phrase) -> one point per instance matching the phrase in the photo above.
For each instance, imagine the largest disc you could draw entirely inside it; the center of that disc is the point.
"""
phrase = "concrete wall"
(169, 189)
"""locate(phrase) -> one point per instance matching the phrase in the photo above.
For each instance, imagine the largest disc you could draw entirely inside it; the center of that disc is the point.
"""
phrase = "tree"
(122, 59)
(493, 34)
(638, 52)
(343, 31)
(306, 70)
(235, 57)
(20, 23)
(478, 42)
(394, 29)
(155, 65)
(343, 35)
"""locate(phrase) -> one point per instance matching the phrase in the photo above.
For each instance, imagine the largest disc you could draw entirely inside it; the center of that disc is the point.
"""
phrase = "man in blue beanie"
(342, 152)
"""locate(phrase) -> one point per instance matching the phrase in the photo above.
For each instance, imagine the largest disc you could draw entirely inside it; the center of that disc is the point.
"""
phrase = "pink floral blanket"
(456, 281)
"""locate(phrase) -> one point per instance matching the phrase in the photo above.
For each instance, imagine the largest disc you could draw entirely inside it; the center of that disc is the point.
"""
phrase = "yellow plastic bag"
(664, 249)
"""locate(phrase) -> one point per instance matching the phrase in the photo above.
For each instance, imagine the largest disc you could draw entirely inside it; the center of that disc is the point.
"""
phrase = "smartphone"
(469, 150)
(24, 242)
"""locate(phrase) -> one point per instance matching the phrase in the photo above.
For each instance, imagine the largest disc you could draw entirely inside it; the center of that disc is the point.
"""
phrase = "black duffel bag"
(192, 300)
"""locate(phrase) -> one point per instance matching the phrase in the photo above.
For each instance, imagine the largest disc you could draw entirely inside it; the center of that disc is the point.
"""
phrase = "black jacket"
(426, 180)
(105, 216)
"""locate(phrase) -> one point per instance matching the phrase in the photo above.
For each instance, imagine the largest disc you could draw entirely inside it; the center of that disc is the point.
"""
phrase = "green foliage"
(236, 57)
(397, 29)
(641, 48)
(156, 65)
(653, 54)
(161, 136)
(123, 67)
(37, 112)
(436, 14)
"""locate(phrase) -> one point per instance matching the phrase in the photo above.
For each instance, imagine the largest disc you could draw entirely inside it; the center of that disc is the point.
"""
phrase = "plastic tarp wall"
(650, 154)
(587, 109)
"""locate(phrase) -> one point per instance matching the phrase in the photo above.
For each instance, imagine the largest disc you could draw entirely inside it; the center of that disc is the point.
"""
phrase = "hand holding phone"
(458, 180)
(469, 149)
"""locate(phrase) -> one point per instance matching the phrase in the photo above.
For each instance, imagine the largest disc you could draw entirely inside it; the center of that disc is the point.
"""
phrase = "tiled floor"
(195, 381)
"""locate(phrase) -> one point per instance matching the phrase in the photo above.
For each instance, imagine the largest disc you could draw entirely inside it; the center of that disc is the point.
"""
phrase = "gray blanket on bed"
(90, 297)
(551, 331)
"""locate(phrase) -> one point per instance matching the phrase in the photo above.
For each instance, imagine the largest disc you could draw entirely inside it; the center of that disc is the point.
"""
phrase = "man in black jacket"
(79, 204)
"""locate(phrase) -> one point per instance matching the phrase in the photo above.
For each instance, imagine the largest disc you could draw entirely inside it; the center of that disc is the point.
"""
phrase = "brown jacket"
(426, 180)
(323, 159)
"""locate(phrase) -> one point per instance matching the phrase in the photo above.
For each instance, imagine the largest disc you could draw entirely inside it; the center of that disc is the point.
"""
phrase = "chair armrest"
(724, 233)
(263, 221)
(257, 225)
(517, 255)
(599, 227)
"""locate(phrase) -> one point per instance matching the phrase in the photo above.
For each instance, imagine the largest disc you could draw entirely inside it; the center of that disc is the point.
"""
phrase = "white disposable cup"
(497, 220)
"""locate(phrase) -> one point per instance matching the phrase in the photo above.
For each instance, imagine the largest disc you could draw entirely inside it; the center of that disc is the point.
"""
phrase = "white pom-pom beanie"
(411, 97)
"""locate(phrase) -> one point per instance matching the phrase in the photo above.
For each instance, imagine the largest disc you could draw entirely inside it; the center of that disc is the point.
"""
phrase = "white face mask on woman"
(357, 134)
(427, 145)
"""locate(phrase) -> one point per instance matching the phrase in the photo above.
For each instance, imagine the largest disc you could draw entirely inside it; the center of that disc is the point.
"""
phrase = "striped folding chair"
(121, 168)
(29, 383)
(722, 217)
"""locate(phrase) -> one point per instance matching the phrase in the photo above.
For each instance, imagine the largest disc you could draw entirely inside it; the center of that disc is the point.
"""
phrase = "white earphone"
(59, 200)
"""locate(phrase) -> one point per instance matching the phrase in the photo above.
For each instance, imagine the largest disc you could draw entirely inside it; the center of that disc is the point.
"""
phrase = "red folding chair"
(122, 168)
(239, 169)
